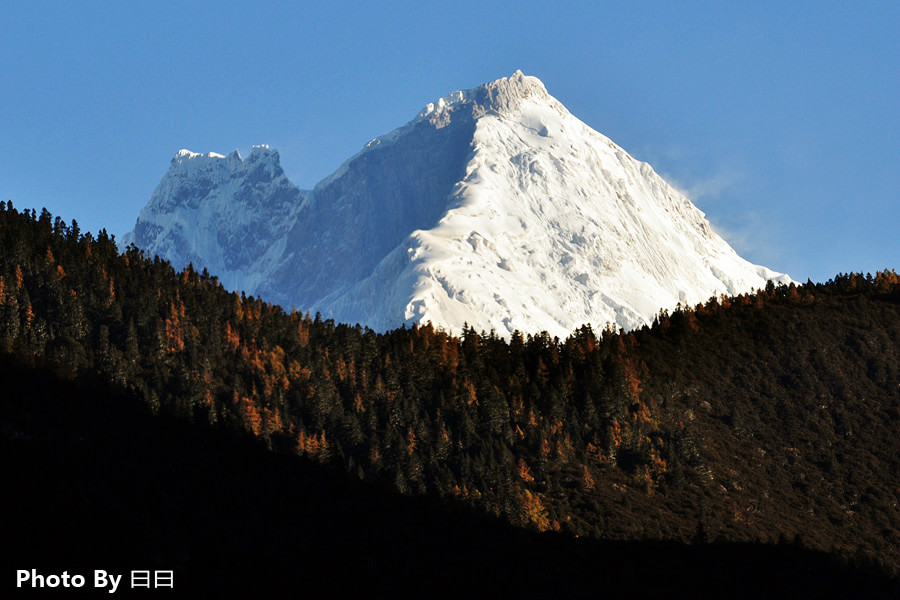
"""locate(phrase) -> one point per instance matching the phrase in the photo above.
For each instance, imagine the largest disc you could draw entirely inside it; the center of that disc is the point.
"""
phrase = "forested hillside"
(94, 480)
(769, 417)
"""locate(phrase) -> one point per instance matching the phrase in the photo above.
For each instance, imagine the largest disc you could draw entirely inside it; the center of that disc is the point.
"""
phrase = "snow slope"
(494, 207)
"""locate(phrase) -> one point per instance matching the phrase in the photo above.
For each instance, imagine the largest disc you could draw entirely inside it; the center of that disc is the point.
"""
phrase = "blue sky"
(779, 119)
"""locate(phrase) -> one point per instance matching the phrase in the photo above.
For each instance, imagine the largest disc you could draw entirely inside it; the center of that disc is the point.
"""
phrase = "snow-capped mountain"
(494, 207)
(222, 213)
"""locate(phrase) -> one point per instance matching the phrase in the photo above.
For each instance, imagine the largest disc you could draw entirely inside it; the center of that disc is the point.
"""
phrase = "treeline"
(762, 417)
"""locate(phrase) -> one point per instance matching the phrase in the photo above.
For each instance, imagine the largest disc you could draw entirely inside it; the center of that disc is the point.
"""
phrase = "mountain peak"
(505, 95)
(494, 207)
(502, 96)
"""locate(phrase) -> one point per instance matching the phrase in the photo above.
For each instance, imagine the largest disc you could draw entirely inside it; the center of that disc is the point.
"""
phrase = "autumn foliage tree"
(547, 433)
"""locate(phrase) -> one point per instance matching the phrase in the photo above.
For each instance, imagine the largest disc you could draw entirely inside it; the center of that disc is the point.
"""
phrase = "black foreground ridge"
(97, 482)
(150, 419)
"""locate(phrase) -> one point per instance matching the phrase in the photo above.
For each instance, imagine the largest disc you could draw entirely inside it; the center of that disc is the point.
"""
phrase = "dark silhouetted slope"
(764, 419)
(95, 481)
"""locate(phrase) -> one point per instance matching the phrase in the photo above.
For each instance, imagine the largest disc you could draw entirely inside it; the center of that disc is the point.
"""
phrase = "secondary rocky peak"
(263, 163)
(265, 154)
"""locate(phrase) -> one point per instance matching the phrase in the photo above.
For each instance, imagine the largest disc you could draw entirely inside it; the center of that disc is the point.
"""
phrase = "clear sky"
(781, 120)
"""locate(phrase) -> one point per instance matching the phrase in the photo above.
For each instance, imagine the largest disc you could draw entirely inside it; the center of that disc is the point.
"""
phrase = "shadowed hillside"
(96, 481)
(767, 419)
